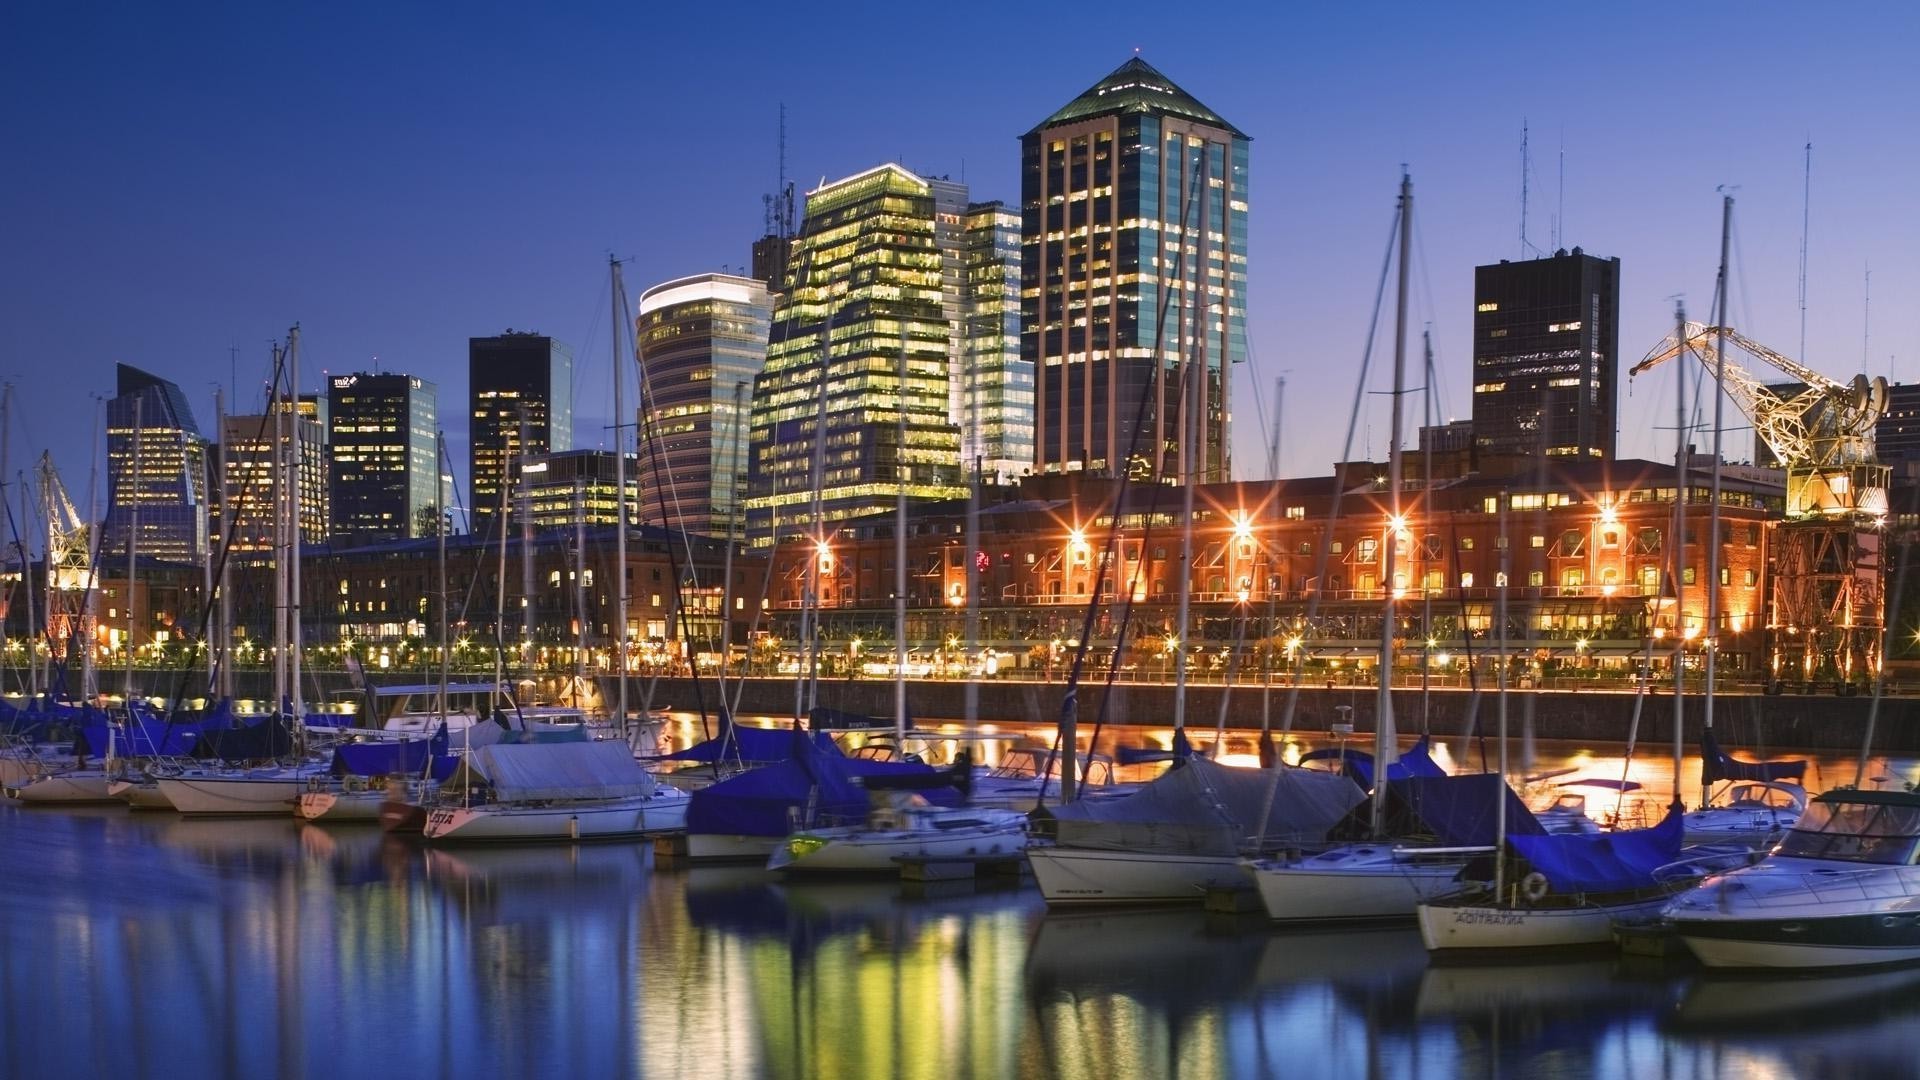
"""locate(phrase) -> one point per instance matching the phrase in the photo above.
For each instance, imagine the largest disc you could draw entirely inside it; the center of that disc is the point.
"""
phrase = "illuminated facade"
(519, 387)
(381, 433)
(866, 272)
(1585, 557)
(1546, 356)
(577, 487)
(1118, 250)
(993, 385)
(251, 488)
(170, 487)
(703, 340)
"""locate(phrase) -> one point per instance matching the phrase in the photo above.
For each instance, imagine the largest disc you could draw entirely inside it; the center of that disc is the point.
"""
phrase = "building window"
(1726, 575)
(1538, 541)
(1752, 578)
(1536, 578)
(1500, 580)
(1366, 549)
(1573, 577)
(1610, 538)
(1686, 576)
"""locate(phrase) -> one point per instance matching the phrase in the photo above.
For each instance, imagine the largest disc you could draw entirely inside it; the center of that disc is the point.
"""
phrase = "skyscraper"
(576, 487)
(1114, 241)
(516, 382)
(1546, 356)
(994, 391)
(251, 486)
(866, 277)
(381, 427)
(702, 339)
(148, 419)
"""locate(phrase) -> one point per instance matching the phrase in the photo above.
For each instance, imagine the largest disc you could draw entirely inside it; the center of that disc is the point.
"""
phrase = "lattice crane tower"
(1829, 593)
(70, 581)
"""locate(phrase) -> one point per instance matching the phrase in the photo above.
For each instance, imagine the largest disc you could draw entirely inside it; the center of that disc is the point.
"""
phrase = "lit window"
(1488, 306)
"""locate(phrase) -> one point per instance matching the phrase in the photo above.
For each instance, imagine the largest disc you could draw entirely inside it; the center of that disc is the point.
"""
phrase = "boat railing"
(1879, 882)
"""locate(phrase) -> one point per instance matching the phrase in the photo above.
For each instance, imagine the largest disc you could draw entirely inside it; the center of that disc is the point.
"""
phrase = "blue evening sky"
(182, 179)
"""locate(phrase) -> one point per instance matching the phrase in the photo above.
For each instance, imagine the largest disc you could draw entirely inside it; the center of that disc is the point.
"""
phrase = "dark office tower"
(1546, 356)
(170, 485)
(867, 271)
(381, 428)
(1109, 188)
(703, 339)
(516, 382)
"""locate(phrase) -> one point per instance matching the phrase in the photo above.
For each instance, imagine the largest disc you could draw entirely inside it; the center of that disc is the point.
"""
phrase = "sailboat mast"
(732, 481)
(26, 587)
(1500, 689)
(1679, 545)
(1426, 501)
(900, 556)
(440, 559)
(1383, 727)
(293, 528)
(1712, 637)
(1195, 415)
(579, 587)
(133, 547)
(500, 589)
(810, 613)
(620, 501)
(279, 532)
(207, 594)
(1273, 507)
(523, 498)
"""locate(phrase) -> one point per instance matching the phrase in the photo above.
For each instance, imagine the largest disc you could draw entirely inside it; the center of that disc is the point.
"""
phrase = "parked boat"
(907, 827)
(1841, 890)
(357, 783)
(1761, 801)
(219, 790)
(553, 791)
(1183, 833)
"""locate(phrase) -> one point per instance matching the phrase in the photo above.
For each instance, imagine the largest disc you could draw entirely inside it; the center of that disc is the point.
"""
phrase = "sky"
(183, 182)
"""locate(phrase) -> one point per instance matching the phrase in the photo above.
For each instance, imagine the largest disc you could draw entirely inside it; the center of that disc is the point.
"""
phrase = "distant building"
(866, 271)
(703, 340)
(576, 487)
(251, 487)
(148, 419)
(993, 388)
(520, 388)
(1105, 183)
(381, 434)
(1546, 357)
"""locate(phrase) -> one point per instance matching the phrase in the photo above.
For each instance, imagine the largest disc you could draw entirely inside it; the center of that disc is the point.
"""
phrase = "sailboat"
(1577, 884)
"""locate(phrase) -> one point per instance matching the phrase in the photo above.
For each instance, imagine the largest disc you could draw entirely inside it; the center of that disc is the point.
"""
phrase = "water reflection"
(148, 946)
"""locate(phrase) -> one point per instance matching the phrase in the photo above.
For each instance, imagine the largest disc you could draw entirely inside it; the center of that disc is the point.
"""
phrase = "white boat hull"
(340, 805)
(867, 851)
(83, 786)
(1307, 893)
(1084, 876)
(232, 795)
(139, 794)
(1756, 955)
(721, 847)
(1450, 928)
(663, 812)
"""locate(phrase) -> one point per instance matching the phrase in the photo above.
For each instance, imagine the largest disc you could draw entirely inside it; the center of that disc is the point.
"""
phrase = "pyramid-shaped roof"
(1136, 87)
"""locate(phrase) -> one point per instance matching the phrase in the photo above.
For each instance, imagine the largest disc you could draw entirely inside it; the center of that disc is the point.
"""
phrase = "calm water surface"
(152, 946)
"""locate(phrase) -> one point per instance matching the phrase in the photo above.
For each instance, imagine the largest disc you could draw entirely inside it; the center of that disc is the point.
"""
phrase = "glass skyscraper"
(517, 383)
(867, 279)
(382, 427)
(1133, 216)
(170, 484)
(251, 487)
(993, 390)
(703, 340)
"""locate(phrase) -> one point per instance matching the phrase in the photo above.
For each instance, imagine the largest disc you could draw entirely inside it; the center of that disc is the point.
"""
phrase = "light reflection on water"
(151, 946)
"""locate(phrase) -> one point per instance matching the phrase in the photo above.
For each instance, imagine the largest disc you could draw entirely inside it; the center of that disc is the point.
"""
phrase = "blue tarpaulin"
(765, 801)
(1463, 810)
(736, 743)
(406, 758)
(1619, 861)
(1716, 766)
(1358, 764)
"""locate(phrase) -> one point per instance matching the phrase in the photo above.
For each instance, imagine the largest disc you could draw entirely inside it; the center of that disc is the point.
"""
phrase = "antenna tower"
(1806, 205)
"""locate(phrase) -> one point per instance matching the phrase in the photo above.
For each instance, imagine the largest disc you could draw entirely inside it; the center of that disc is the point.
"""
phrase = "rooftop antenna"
(1525, 163)
(1806, 203)
(1866, 320)
(784, 193)
(1560, 197)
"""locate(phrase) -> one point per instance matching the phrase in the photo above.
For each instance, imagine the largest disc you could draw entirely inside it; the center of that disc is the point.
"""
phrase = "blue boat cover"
(1619, 861)
(1463, 810)
(1603, 782)
(736, 743)
(406, 758)
(1417, 760)
(266, 738)
(768, 800)
(1140, 755)
(1716, 766)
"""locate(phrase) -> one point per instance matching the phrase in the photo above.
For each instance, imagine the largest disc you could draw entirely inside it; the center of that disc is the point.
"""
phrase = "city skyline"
(244, 215)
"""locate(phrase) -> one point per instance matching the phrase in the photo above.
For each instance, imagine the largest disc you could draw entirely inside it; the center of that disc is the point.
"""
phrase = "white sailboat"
(554, 791)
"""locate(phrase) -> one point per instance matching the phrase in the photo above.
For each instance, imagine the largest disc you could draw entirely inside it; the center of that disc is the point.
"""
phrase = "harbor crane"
(69, 576)
(1829, 594)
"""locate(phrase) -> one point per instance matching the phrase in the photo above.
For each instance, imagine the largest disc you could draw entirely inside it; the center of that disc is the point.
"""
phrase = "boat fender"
(1534, 886)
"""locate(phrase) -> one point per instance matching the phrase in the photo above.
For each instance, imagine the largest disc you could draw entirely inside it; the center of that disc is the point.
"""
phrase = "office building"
(252, 484)
(1546, 357)
(576, 487)
(866, 275)
(149, 425)
(520, 391)
(381, 430)
(994, 387)
(702, 340)
(1118, 253)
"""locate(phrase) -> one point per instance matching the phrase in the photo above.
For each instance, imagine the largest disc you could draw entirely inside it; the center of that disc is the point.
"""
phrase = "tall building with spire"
(1133, 200)
(157, 461)
(865, 283)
